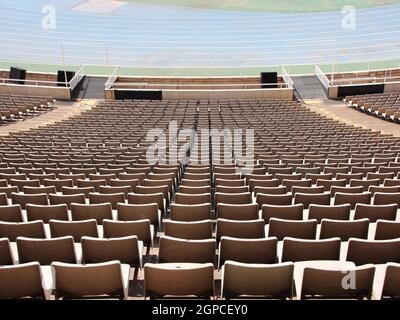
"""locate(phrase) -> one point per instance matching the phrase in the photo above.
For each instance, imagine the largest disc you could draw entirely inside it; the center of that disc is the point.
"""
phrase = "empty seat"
(238, 211)
(11, 213)
(319, 212)
(72, 281)
(12, 230)
(179, 280)
(281, 228)
(187, 212)
(112, 198)
(352, 199)
(291, 212)
(375, 212)
(46, 213)
(99, 212)
(247, 250)
(194, 230)
(377, 252)
(76, 229)
(248, 229)
(273, 199)
(24, 199)
(325, 283)
(127, 250)
(386, 230)
(386, 198)
(20, 281)
(132, 212)
(307, 199)
(6, 255)
(67, 199)
(140, 228)
(182, 250)
(46, 251)
(344, 229)
(307, 250)
(257, 280)
(390, 285)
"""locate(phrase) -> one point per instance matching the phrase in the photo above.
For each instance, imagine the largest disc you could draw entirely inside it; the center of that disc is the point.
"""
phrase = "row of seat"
(384, 105)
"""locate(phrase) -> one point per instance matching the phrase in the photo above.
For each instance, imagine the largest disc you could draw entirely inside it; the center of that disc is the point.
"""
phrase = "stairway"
(308, 87)
(90, 88)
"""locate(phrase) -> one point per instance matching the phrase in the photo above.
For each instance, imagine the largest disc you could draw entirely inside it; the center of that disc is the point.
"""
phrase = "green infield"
(272, 5)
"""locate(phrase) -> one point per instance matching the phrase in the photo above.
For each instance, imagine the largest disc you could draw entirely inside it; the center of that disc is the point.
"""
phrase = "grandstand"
(147, 180)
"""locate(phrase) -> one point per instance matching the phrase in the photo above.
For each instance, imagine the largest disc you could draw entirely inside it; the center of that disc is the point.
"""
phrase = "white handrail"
(287, 78)
(112, 78)
(322, 77)
(199, 86)
(79, 75)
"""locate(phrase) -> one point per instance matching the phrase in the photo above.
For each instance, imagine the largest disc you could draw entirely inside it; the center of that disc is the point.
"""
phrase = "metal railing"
(286, 77)
(79, 75)
(112, 78)
(195, 86)
(322, 77)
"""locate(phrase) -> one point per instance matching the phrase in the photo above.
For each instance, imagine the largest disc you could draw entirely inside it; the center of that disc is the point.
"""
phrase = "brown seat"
(290, 212)
(24, 199)
(91, 183)
(194, 230)
(77, 190)
(76, 229)
(323, 283)
(386, 198)
(352, 198)
(133, 212)
(67, 199)
(58, 184)
(248, 229)
(99, 212)
(273, 281)
(11, 213)
(344, 229)
(46, 251)
(157, 198)
(23, 280)
(179, 280)
(125, 249)
(307, 199)
(140, 228)
(375, 212)
(185, 212)
(181, 198)
(386, 230)
(274, 199)
(377, 252)
(13, 230)
(390, 286)
(6, 255)
(281, 228)
(238, 211)
(319, 212)
(112, 198)
(194, 190)
(74, 281)
(36, 190)
(307, 250)
(248, 250)
(182, 250)
(46, 213)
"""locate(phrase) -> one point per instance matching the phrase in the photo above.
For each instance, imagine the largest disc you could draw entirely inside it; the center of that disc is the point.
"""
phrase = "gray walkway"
(337, 110)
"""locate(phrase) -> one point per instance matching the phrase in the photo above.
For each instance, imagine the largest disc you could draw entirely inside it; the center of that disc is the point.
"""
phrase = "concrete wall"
(59, 93)
(392, 87)
(281, 94)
